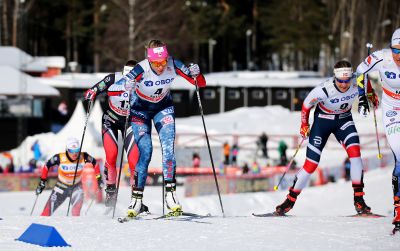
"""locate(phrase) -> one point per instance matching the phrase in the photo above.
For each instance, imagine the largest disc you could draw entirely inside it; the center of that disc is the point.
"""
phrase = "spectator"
(262, 144)
(227, 152)
(282, 147)
(245, 168)
(234, 152)
(255, 168)
(196, 160)
(347, 166)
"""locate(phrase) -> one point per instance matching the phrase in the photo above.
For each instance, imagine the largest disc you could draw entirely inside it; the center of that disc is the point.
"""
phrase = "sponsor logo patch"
(391, 114)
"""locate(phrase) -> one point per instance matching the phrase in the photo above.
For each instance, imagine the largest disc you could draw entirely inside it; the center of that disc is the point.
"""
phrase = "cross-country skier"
(152, 101)
(64, 188)
(387, 63)
(333, 100)
(114, 119)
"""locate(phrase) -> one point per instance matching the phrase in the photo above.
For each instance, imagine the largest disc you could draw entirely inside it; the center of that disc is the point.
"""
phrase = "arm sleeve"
(135, 74)
(91, 160)
(103, 85)
(183, 71)
(371, 63)
(53, 161)
(316, 95)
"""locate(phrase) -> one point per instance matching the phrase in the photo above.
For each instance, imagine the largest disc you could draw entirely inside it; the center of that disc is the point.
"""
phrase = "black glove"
(40, 187)
(100, 181)
(363, 107)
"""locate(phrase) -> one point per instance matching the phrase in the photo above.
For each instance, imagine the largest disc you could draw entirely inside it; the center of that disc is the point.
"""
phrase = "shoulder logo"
(390, 75)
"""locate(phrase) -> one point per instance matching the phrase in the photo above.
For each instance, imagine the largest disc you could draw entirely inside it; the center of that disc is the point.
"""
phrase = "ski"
(366, 215)
(180, 214)
(274, 214)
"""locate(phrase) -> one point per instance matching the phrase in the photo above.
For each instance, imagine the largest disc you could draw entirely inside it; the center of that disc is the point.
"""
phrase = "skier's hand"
(194, 70)
(40, 187)
(305, 130)
(363, 107)
(90, 96)
(373, 98)
(100, 181)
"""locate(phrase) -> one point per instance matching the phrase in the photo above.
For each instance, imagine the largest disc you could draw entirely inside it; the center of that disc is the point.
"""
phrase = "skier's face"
(73, 154)
(159, 66)
(343, 83)
(396, 54)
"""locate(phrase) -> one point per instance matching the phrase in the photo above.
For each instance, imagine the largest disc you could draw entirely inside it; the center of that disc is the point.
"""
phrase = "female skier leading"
(151, 100)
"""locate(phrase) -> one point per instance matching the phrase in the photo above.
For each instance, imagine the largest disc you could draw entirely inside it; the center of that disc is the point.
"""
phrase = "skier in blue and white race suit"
(151, 101)
(387, 63)
(333, 100)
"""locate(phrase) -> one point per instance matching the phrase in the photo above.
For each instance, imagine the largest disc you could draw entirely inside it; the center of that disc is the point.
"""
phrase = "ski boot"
(135, 207)
(288, 204)
(359, 203)
(172, 200)
(396, 219)
(111, 196)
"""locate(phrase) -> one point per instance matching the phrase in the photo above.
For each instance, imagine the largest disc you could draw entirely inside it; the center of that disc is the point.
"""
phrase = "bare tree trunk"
(353, 17)
(74, 33)
(5, 24)
(378, 21)
(68, 36)
(131, 27)
(15, 23)
(96, 57)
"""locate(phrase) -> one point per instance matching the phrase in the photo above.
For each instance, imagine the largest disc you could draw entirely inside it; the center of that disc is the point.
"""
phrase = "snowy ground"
(318, 223)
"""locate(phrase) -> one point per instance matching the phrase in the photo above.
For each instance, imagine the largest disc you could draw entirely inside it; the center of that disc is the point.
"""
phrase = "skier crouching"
(65, 186)
(333, 100)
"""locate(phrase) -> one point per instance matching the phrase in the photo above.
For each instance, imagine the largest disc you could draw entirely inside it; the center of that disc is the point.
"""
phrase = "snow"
(317, 224)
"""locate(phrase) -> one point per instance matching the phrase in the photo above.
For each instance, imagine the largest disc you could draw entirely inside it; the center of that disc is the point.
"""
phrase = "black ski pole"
(122, 152)
(79, 155)
(34, 204)
(369, 46)
(208, 145)
(163, 192)
(288, 165)
(90, 205)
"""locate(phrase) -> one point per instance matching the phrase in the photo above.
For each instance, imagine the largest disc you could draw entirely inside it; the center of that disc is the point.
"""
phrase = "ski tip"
(370, 215)
(275, 188)
(273, 214)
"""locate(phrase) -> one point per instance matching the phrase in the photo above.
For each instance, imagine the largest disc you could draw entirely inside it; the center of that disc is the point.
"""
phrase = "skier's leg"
(57, 197)
(164, 122)
(132, 153)
(77, 200)
(110, 143)
(319, 135)
(141, 128)
(347, 135)
(393, 137)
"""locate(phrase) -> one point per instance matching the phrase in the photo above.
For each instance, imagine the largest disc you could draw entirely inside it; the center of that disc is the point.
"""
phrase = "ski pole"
(90, 204)
(288, 165)
(163, 192)
(122, 151)
(34, 204)
(369, 46)
(79, 154)
(208, 145)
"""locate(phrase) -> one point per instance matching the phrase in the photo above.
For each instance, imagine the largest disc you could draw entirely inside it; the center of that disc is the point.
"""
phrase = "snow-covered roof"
(74, 80)
(228, 79)
(14, 82)
(14, 57)
(52, 61)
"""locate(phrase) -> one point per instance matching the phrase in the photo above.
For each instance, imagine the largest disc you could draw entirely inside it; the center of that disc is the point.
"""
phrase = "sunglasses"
(159, 63)
(395, 50)
(343, 81)
(74, 150)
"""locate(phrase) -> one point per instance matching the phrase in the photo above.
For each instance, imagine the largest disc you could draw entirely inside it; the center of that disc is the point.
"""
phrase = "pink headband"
(154, 54)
